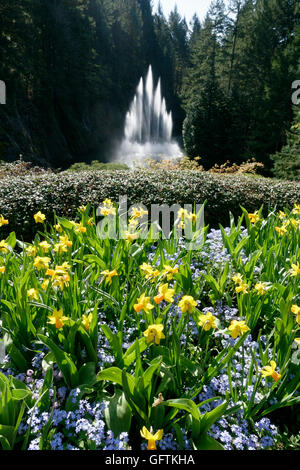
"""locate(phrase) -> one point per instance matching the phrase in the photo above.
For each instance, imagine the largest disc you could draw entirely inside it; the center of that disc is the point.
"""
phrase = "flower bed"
(134, 344)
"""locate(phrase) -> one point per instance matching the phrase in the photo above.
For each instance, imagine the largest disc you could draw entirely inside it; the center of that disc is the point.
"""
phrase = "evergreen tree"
(207, 118)
(179, 36)
(287, 161)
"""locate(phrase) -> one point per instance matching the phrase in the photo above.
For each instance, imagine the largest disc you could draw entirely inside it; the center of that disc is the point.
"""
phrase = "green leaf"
(7, 432)
(16, 356)
(4, 443)
(64, 362)
(118, 413)
(115, 343)
(184, 404)
(19, 394)
(114, 374)
(88, 344)
(11, 240)
(134, 398)
(130, 355)
(148, 374)
(206, 442)
(211, 417)
(44, 402)
(48, 361)
(87, 374)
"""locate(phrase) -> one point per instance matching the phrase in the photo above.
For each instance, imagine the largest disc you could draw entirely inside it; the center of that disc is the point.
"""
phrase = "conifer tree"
(287, 161)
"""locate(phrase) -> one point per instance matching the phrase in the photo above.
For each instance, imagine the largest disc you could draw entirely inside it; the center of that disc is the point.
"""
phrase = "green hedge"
(21, 197)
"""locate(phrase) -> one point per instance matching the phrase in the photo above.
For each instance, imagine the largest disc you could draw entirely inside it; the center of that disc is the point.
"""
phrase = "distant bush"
(96, 165)
(251, 167)
(21, 168)
(22, 197)
(183, 163)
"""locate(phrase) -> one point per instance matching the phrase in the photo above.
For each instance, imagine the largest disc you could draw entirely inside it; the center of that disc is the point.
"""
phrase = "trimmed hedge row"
(21, 197)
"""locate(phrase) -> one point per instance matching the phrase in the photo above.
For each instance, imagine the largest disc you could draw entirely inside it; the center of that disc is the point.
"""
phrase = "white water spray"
(148, 126)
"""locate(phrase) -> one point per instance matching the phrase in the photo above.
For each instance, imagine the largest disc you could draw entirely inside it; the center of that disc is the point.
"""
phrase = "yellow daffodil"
(63, 245)
(31, 250)
(238, 328)
(60, 248)
(86, 321)
(169, 272)
(154, 334)
(45, 284)
(261, 288)
(243, 287)
(182, 213)
(151, 438)
(107, 211)
(143, 303)
(65, 266)
(79, 228)
(281, 230)
(45, 246)
(41, 262)
(270, 371)
(187, 304)
(3, 221)
(57, 318)
(282, 215)
(164, 294)
(58, 228)
(149, 272)
(254, 217)
(296, 310)
(207, 321)
(82, 209)
(138, 213)
(133, 223)
(33, 294)
(192, 217)
(146, 268)
(59, 275)
(295, 223)
(108, 202)
(90, 222)
(108, 275)
(50, 272)
(65, 240)
(296, 209)
(39, 217)
(237, 278)
(61, 281)
(295, 270)
(297, 341)
(3, 246)
(130, 236)
(2, 269)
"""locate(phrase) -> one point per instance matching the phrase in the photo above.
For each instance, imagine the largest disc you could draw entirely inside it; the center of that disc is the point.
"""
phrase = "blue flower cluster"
(214, 253)
(85, 424)
(235, 431)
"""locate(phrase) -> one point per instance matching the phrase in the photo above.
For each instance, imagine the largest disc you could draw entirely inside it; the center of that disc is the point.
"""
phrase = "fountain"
(148, 127)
